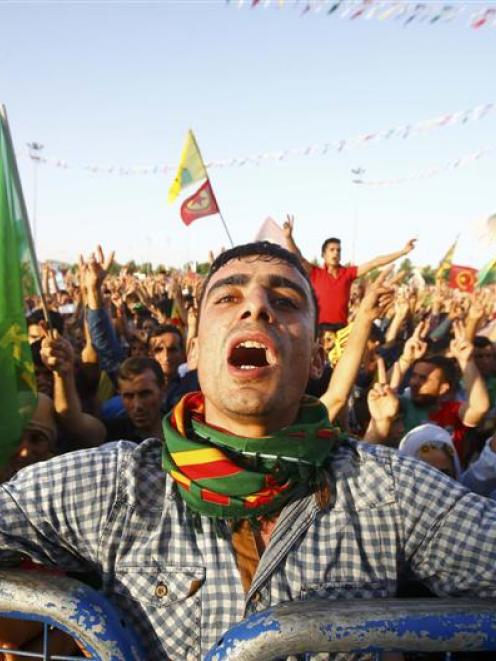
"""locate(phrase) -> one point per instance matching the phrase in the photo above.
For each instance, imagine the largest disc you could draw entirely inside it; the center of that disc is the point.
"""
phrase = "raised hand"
(409, 246)
(478, 305)
(378, 296)
(57, 354)
(401, 305)
(288, 226)
(95, 269)
(382, 402)
(416, 346)
(460, 347)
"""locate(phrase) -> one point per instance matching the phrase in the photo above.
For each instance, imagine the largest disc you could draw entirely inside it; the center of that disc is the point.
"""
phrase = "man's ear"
(318, 361)
(444, 388)
(192, 357)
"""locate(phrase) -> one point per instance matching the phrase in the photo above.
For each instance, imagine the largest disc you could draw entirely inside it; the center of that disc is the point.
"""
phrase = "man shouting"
(252, 499)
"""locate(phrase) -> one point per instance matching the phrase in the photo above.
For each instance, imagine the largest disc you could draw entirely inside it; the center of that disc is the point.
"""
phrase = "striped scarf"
(226, 476)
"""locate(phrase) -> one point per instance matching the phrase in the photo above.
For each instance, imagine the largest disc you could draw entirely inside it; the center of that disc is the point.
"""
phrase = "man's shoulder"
(374, 475)
(350, 271)
(363, 472)
(106, 463)
(317, 271)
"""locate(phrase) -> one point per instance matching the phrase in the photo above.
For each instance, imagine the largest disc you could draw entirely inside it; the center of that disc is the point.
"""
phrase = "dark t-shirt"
(121, 428)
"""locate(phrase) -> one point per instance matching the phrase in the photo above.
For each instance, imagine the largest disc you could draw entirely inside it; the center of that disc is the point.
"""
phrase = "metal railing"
(69, 606)
(320, 625)
(294, 628)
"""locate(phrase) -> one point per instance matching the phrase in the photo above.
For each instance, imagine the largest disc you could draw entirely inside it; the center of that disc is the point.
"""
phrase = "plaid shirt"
(174, 575)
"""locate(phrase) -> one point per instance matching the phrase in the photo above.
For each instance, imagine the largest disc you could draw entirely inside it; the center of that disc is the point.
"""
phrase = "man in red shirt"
(332, 282)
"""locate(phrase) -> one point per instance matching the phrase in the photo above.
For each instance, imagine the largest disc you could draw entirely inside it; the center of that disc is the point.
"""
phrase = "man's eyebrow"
(273, 281)
(281, 281)
(237, 279)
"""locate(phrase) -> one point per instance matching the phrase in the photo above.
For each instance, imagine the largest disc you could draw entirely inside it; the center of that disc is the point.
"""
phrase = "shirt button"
(256, 597)
(191, 656)
(161, 590)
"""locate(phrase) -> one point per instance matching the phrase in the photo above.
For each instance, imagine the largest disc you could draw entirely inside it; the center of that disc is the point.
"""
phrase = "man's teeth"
(251, 344)
(247, 367)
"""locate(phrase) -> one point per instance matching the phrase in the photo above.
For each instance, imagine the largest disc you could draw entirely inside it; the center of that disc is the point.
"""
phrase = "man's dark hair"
(167, 328)
(448, 366)
(332, 239)
(56, 319)
(481, 342)
(136, 365)
(263, 251)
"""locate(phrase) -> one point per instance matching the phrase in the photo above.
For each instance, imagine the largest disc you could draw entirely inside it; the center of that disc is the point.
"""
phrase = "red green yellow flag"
(191, 167)
(445, 264)
(18, 277)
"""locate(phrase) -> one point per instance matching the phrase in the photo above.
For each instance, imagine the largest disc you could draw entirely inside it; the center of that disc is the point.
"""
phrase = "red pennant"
(462, 278)
(202, 203)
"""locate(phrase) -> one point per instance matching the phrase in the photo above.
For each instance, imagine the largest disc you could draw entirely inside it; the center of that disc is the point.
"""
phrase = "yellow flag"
(191, 167)
(445, 264)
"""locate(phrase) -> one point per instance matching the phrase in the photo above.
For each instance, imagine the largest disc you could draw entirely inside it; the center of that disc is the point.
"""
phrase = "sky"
(120, 83)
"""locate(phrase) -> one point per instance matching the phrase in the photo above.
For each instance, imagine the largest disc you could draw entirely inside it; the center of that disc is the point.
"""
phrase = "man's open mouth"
(248, 355)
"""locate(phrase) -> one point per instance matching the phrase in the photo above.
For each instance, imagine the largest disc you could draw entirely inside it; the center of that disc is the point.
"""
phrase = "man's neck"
(153, 431)
(248, 427)
(168, 380)
(333, 269)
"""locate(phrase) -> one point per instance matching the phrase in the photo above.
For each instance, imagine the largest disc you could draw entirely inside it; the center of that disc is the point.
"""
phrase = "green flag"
(487, 274)
(17, 272)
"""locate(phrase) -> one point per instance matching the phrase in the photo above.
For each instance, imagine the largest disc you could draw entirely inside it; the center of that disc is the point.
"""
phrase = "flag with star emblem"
(462, 278)
(202, 203)
(191, 167)
(17, 279)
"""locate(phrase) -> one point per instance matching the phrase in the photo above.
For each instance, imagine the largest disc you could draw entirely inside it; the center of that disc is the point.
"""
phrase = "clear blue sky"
(120, 83)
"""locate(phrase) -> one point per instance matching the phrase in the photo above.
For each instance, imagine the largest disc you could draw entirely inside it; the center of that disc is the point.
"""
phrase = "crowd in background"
(408, 362)
(404, 364)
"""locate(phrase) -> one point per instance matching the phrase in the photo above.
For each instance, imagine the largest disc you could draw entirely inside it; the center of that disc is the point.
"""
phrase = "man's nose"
(257, 306)
(137, 404)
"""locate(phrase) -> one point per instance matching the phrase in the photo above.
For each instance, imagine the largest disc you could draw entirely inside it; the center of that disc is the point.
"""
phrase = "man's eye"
(284, 302)
(227, 298)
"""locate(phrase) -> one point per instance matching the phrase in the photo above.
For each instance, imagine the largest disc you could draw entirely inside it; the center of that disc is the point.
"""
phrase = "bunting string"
(403, 12)
(404, 131)
(427, 173)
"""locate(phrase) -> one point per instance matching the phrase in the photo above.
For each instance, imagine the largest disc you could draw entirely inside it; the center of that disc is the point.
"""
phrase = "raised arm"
(57, 354)
(383, 406)
(103, 338)
(415, 347)
(382, 260)
(377, 298)
(477, 404)
(290, 243)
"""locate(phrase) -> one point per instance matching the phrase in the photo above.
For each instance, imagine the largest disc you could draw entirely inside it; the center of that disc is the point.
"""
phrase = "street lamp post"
(356, 178)
(35, 149)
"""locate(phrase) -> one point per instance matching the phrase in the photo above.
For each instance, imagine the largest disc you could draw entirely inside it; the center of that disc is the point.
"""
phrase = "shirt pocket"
(169, 599)
(335, 590)
(158, 585)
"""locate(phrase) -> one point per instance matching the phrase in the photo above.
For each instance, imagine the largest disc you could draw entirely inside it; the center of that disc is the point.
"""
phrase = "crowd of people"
(269, 385)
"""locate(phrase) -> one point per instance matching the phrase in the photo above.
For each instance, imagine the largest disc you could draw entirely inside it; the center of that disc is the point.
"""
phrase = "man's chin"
(424, 401)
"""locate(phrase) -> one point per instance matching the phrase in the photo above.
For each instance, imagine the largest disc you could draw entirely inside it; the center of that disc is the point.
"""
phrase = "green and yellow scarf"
(226, 476)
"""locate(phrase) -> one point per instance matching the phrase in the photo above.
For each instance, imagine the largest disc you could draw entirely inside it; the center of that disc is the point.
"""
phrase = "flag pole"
(212, 191)
(24, 211)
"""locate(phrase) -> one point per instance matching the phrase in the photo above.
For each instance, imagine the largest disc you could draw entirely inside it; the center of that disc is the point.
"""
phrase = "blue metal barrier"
(310, 626)
(313, 626)
(72, 607)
